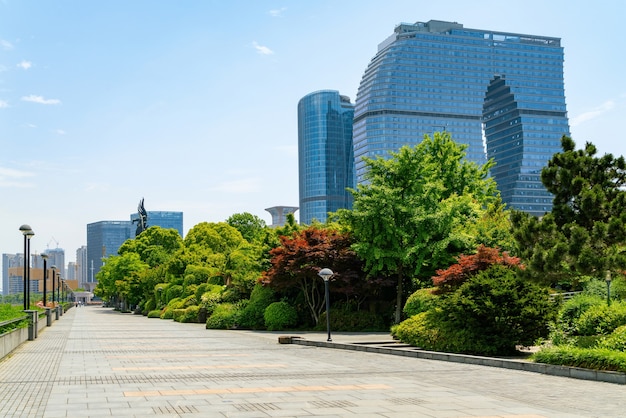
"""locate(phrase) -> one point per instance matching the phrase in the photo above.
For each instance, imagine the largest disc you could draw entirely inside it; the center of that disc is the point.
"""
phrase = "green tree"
(410, 216)
(585, 234)
(119, 279)
(251, 227)
(154, 246)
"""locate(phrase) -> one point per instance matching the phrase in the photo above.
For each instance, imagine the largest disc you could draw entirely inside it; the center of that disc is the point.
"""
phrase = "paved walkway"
(94, 362)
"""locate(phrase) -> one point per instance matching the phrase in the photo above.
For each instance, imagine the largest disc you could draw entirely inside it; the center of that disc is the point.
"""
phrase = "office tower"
(104, 238)
(12, 273)
(166, 220)
(56, 257)
(82, 270)
(279, 214)
(325, 154)
(500, 93)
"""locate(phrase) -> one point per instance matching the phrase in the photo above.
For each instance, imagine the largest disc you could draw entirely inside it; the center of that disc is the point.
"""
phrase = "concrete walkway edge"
(563, 371)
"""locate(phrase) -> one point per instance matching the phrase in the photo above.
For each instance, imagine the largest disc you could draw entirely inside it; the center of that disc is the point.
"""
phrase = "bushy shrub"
(224, 316)
(353, 321)
(420, 301)
(150, 305)
(154, 314)
(420, 331)
(200, 291)
(186, 315)
(173, 292)
(279, 316)
(167, 313)
(589, 358)
(614, 341)
(572, 309)
(260, 298)
(601, 319)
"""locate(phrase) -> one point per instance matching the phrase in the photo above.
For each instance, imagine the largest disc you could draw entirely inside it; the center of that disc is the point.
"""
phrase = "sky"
(192, 105)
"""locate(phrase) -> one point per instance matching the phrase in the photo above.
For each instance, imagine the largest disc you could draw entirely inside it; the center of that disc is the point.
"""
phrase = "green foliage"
(260, 298)
(186, 315)
(154, 313)
(614, 341)
(353, 321)
(420, 301)
(224, 316)
(251, 227)
(173, 292)
(279, 316)
(150, 305)
(499, 310)
(601, 319)
(489, 314)
(9, 312)
(411, 215)
(585, 234)
(589, 358)
(572, 310)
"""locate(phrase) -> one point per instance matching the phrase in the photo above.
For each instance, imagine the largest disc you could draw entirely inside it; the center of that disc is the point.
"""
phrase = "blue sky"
(192, 104)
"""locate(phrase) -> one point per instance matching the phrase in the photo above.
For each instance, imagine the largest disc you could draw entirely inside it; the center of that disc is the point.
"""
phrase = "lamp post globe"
(326, 274)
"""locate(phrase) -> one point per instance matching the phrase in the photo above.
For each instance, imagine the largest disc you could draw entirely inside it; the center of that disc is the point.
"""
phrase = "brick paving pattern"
(94, 362)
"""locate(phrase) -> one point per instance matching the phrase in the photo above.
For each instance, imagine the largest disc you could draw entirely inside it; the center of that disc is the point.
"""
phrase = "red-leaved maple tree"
(469, 265)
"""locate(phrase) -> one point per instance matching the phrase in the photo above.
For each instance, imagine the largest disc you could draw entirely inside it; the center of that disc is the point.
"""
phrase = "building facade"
(164, 219)
(104, 238)
(501, 94)
(325, 154)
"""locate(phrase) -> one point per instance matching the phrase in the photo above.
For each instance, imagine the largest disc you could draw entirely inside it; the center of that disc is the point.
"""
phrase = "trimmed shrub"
(420, 301)
(154, 314)
(174, 292)
(224, 316)
(279, 316)
(589, 358)
(260, 298)
(189, 314)
(420, 331)
(150, 305)
(601, 319)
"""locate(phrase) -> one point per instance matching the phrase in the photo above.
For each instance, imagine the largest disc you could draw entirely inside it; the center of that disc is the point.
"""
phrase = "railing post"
(32, 324)
(48, 317)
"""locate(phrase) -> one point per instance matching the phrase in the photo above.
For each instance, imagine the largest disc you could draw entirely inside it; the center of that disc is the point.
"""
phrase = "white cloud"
(277, 12)
(263, 50)
(40, 99)
(6, 45)
(238, 186)
(25, 64)
(3, 104)
(12, 178)
(60, 132)
(592, 114)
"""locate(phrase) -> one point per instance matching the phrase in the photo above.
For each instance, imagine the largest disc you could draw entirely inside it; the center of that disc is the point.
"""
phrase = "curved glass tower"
(502, 94)
(325, 154)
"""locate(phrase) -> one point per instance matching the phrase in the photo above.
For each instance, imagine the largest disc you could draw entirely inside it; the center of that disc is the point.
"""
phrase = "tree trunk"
(398, 316)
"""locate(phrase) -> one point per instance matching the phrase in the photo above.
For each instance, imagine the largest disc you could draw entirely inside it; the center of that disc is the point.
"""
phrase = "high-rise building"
(104, 238)
(500, 93)
(325, 154)
(279, 214)
(166, 220)
(82, 268)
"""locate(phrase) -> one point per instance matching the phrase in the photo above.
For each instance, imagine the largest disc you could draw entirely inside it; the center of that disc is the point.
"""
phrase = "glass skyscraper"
(164, 219)
(104, 238)
(500, 93)
(325, 154)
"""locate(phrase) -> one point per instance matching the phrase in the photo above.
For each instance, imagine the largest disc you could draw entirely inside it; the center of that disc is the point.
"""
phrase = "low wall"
(12, 339)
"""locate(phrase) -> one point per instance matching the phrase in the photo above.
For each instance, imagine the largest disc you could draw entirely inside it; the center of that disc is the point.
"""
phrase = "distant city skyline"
(194, 106)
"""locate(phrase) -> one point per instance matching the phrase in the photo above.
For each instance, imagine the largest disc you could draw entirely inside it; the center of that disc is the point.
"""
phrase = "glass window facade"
(501, 94)
(104, 238)
(166, 220)
(325, 153)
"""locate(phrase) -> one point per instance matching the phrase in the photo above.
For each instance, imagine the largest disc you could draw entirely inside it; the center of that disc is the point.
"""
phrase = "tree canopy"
(410, 216)
(585, 233)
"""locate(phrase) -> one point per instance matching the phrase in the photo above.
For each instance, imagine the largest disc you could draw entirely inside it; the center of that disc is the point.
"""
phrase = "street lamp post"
(54, 269)
(45, 277)
(27, 231)
(326, 274)
(59, 280)
(608, 287)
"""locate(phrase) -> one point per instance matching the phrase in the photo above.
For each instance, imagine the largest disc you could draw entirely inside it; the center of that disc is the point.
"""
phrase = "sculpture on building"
(142, 221)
